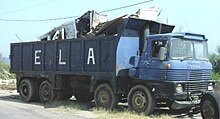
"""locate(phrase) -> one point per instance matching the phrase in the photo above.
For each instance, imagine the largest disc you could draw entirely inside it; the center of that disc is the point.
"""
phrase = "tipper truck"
(128, 59)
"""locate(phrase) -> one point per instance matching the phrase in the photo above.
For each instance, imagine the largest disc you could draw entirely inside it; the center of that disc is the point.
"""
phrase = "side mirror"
(162, 53)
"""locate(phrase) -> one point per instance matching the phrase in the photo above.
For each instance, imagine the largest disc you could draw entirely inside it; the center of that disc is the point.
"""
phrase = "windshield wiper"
(188, 57)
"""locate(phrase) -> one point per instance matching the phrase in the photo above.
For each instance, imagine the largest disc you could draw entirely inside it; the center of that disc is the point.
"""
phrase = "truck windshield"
(183, 49)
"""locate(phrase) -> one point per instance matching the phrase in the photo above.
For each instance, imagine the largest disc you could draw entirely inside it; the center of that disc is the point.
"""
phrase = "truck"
(127, 59)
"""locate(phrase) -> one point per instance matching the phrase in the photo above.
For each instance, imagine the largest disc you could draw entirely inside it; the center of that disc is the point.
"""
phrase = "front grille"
(176, 74)
(188, 74)
(200, 75)
(196, 86)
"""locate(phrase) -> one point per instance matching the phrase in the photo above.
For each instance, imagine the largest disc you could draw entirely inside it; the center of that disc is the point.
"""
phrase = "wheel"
(141, 100)
(83, 97)
(27, 90)
(209, 107)
(104, 96)
(46, 92)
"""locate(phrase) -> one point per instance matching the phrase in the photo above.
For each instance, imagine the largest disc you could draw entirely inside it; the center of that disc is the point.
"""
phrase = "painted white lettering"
(59, 34)
(63, 33)
(56, 35)
(37, 56)
(91, 56)
(60, 58)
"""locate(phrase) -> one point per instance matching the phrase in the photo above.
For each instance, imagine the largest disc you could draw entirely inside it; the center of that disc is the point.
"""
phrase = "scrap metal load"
(80, 27)
(93, 23)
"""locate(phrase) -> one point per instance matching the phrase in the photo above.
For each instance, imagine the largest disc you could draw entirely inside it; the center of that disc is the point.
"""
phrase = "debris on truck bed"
(78, 28)
(93, 23)
(151, 13)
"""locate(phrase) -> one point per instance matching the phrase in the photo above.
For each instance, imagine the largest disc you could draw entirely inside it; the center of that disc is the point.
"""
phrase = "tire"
(104, 97)
(209, 106)
(141, 100)
(46, 92)
(27, 90)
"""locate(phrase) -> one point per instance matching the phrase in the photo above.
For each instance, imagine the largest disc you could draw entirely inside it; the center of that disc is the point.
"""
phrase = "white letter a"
(91, 56)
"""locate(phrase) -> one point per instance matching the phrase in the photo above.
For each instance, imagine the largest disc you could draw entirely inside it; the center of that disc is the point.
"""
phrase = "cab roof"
(185, 35)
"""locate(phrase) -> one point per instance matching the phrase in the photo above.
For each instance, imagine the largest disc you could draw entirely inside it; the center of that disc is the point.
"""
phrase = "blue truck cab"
(176, 67)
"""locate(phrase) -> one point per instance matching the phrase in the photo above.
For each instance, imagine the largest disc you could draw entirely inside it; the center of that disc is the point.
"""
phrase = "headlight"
(179, 88)
(210, 87)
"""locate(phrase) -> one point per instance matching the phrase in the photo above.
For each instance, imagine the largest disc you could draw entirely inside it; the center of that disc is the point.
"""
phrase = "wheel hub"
(46, 92)
(139, 100)
(25, 90)
(104, 97)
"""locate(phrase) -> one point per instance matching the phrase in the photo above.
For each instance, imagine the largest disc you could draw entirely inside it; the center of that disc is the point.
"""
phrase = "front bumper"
(185, 100)
(184, 104)
(191, 95)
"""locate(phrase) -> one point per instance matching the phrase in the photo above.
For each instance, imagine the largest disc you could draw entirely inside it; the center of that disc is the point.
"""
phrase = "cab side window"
(156, 45)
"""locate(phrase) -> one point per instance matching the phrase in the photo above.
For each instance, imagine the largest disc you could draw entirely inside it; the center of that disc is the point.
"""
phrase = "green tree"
(218, 50)
(215, 60)
(4, 69)
(3, 64)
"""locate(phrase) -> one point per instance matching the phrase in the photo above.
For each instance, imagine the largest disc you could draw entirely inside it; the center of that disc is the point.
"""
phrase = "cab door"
(154, 66)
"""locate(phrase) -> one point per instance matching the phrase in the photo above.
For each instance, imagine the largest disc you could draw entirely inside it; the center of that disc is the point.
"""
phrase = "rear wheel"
(46, 92)
(140, 100)
(27, 90)
(104, 96)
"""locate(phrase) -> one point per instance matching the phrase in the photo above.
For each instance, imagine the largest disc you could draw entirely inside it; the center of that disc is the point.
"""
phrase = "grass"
(68, 105)
(114, 114)
(72, 105)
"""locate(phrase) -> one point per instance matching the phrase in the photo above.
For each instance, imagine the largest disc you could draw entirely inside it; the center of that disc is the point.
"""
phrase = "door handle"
(147, 63)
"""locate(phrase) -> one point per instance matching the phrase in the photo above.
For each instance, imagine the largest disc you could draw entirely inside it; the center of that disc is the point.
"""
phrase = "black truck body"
(72, 57)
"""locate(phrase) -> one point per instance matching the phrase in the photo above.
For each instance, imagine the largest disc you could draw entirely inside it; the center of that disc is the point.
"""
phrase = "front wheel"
(141, 100)
(210, 107)
(104, 96)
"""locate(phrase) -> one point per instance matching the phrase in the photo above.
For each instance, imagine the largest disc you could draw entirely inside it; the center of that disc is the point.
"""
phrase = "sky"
(195, 16)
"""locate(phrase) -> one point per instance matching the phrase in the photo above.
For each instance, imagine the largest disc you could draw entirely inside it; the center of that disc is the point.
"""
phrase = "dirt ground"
(8, 84)
(11, 107)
